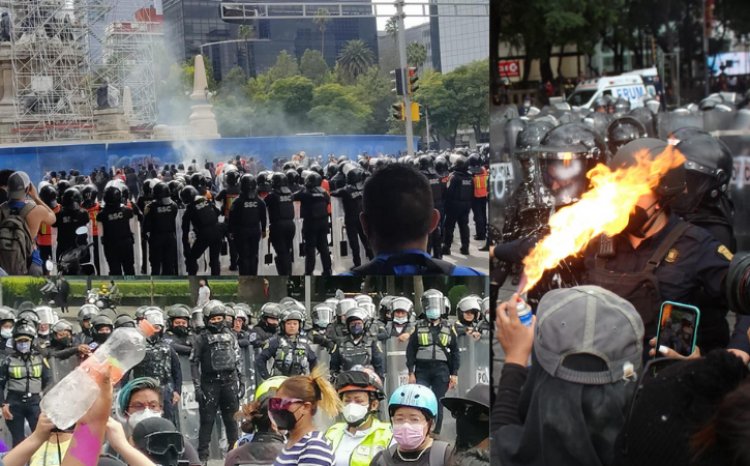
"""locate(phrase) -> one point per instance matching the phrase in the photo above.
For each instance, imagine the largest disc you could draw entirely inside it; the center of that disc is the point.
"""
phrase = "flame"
(605, 208)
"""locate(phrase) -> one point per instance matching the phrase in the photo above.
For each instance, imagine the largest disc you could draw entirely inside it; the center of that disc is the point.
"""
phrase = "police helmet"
(401, 303)
(532, 135)
(124, 320)
(178, 312)
(24, 328)
(48, 195)
(232, 177)
(230, 311)
(344, 305)
(100, 321)
(6, 314)
(112, 195)
(241, 314)
(622, 105)
(89, 193)
(86, 312)
(353, 177)
(214, 308)
(294, 315)
(441, 165)
(433, 299)
(623, 130)
(360, 381)
(46, 315)
(154, 316)
(313, 180)
(28, 315)
(292, 177)
(62, 326)
(708, 167)
(198, 181)
(322, 315)
(460, 164)
(62, 186)
(600, 103)
(475, 163)
(471, 303)
(248, 185)
(671, 184)
(188, 194)
(72, 199)
(646, 118)
(686, 132)
(414, 396)
(278, 181)
(264, 181)
(162, 191)
(140, 312)
(147, 189)
(362, 299)
(175, 186)
(270, 310)
(426, 164)
(356, 313)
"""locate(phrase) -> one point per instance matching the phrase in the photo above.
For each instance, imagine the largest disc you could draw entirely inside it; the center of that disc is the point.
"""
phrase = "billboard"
(734, 63)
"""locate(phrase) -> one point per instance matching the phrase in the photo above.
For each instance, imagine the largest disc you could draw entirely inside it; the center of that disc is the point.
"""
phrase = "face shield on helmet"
(433, 304)
(564, 174)
(322, 315)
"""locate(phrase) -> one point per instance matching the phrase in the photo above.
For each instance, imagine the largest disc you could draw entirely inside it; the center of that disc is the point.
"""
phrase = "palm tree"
(320, 19)
(355, 58)
(416, 54)
(391, 27)
(244, 33)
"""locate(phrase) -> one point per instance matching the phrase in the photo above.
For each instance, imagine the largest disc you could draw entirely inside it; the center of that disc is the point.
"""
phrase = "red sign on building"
(509, 68)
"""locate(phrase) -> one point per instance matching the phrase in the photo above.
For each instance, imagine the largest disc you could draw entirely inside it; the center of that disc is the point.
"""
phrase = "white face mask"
(355, 413)
(136, 418)
(400, 320)
(6, 332)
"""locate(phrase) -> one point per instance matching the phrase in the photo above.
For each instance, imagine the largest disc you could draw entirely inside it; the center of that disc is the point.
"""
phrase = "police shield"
(298, 266)
(181, 270)
(135, 227)
(337, 234)
(59, 368)
(248, 372)
(103, 265)
(187, 410)
(396, 372)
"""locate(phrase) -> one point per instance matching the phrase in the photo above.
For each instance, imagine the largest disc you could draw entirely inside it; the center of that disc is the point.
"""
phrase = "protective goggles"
(282, 404)
(159, 443)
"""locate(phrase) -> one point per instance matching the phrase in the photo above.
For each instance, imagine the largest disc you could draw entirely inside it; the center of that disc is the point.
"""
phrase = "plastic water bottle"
(524, 312)
(69, 400)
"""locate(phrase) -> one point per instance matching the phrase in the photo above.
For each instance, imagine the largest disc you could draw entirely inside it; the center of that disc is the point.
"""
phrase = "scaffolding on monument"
(52, 83)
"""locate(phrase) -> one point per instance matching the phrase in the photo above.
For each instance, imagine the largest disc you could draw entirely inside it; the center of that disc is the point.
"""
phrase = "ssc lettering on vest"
(285, 198)
(250, 204)
(318, 195)
(115, 216)
(468, 182)
(163, 210)
(356, 194)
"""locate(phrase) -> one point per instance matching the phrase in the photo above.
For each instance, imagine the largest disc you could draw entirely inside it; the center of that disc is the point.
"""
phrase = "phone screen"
(678, 327)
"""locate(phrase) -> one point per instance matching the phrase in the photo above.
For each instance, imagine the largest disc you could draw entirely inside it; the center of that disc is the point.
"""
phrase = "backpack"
(16, 244)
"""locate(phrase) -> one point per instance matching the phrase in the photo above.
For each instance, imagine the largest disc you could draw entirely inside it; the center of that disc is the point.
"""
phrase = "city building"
(458, 40)
(388, 51)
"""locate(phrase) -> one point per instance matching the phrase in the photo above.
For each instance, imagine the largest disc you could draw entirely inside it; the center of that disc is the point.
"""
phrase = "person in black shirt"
(314, 210)
(247, 224)
(70, 217)
(281, 222)
(117, 238)
(351, 195)
(204, 217)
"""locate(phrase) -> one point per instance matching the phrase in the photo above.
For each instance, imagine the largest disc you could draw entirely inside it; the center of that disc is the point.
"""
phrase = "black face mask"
(215, 327)
(285, 420)
(272, 327)
(180, 331)
(64, 342)
(154, 338)
(639, 221)
(100, 337)
(469, 432)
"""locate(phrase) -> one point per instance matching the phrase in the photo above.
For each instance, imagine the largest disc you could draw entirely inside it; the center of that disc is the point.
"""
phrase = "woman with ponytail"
(266, 443)
(292, 409)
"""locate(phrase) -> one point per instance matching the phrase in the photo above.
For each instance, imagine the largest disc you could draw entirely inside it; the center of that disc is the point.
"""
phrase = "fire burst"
(605, 208)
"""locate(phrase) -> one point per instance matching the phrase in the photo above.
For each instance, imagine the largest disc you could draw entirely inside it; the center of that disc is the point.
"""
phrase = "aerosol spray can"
(524, 311)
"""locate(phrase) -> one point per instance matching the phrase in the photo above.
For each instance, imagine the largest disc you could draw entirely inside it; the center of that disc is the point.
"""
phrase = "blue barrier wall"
(37, 160)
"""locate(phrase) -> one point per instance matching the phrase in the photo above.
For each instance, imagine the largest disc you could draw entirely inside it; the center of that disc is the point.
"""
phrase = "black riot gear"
(281, 222)
(48, 195)
(160, 228)
(232, 177)
(622, 105)
(162, 193)
(264, 181)
(112, 195)
(72, 198)
(313, 180)
(188, 194)
(248, 185)
(426, 164)
(204, 218)
(623, 130)
(89, 193)
(247, 223)
(314, 202)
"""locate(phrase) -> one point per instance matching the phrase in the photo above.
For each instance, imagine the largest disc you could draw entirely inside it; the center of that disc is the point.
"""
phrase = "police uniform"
(432, 356)
(393, 330)
(182, 344)
(204, 217)
(351, 197)
(281, 228)
(435, 240)
(227, 197)
(215, 365)
(117, 239)
(260, 334)
(247, 220)
(350, 353)
(142, 203)
(162, 363)
(25, 376)
(458, 198)
(337, 332)
(67, 221)
(314, 212)
(377, 438)
(674, 264)
(291, 356)
(160, 226)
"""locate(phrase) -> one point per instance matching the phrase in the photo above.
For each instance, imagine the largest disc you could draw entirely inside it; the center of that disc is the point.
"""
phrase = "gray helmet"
(214, 308)
(140, 311)
(272, 310)
(46, 315)
(356, 313)
(432, 299)
(101, 321)
(322, 314)
(178, 311)
(28, 315)
(124, 320)
(24, 328)
(241, 314)
(401, 303)
(154, 316)
(87, 312)
(363, 298)
(471, 302)
(61, 326)
(344, 305)
(7, 314)
(294, 315)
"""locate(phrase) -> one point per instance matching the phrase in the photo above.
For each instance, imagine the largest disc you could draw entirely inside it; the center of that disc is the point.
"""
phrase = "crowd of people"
(278, 406)
(403, 211)
(585, 382)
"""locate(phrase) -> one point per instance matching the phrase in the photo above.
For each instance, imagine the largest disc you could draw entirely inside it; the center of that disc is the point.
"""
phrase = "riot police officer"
(291, 352)
(469, 310)
(400, 326)
(458, 197)
(432, 355)
(314, 211)
(247, 224)
(203, 215)
(226, 197)
(351, 195)
(25, 374)
(268, 327)
(437, 184)
(85, 314)
(62, 345)
(101, 328)
(322, 316)
(117, 238)
(623, 130)
(215, 366)
(359, 349)
(7, 321)
(178, 330)
(70, 217)
(160, 227)
(281, 223)
(337, 331)
(479, 200)
(161, 363)
(240, 328)
(146, 197)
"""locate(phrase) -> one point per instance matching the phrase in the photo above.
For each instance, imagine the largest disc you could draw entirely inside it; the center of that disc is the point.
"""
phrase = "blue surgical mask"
(433, 314)
(23, 346)
(357, 329)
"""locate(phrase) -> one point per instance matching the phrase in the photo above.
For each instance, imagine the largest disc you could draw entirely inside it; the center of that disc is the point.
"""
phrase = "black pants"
(479, 208)
(196, 251)
(220, 395)
(233, 252)
(354, 233)
(436, 376)
(247, 245)
(22, 410)
(315, 234)
(457, 213)
(97, 259)
(119, 254)
(281, 235)
(144, 254)
(163, 253)
(435, 240)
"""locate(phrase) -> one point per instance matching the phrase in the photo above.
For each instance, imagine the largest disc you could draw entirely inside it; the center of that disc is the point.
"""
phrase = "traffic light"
(415, 111)
(413, 78)
(397, 82)
(398, 111)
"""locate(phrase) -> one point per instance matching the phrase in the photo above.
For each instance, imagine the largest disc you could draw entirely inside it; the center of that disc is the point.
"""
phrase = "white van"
(627, 86)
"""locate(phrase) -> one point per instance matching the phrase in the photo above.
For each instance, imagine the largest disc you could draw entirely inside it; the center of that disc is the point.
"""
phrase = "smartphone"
(678, 327)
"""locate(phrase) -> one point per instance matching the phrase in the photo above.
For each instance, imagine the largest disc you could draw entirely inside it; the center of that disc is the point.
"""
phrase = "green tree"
(336, 110)
(313, 66)
(445, 109)
(285, 67)
(355, 58)
(416, 54)
(294, 95)
(470, 86)
(373, 89)
(391, 28)
(321, 20)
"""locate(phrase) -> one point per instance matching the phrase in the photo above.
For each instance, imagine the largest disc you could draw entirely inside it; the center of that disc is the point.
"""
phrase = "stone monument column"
(202, 119)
